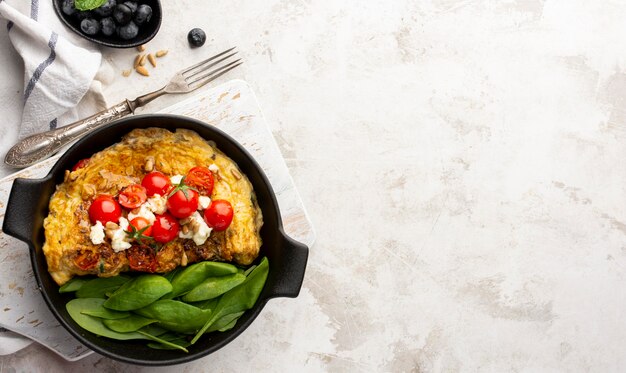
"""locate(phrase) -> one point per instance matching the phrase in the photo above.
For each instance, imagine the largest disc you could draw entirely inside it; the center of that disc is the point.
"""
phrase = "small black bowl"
(146, 32)
(28, 206)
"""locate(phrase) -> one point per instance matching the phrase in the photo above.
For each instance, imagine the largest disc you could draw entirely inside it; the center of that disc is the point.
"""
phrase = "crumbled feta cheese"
(97, 233)
(213, 168)
(144, 212)
(201, 231)
(203, 202)
(202, 234)
(119, 245)
(119, 236)
(176, 179)
(123, 223)
(157, 204)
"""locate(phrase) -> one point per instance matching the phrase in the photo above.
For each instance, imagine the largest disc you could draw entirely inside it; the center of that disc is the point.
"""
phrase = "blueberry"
(107, 25)
(122, 14)
(128, 31)
(196, 37)
(143, 14)
(132, 5)
(90, 26)
(106, 9)
(68, 7)
(83, 14)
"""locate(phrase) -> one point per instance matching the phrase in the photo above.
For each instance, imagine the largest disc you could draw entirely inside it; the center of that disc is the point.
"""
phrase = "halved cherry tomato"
(140, 223)
(165, 228)
(183, 203)
(156, 182)
(132, 196)
(142, 258)
(219, 214)
(80, 164)
(104, 209)
(86, 259)
(200, 178)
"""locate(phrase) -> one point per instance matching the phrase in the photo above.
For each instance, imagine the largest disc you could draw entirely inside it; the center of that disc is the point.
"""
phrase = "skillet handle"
(22, 213)
(289, 273)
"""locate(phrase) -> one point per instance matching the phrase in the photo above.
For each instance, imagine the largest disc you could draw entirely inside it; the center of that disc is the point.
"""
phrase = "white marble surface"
(463, 164)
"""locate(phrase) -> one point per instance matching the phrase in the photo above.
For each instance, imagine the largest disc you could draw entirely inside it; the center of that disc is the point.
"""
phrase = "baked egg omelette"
(150, 203)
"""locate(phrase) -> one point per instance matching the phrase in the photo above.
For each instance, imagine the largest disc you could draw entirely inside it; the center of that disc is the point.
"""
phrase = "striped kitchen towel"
(59, 67)
(59, 85)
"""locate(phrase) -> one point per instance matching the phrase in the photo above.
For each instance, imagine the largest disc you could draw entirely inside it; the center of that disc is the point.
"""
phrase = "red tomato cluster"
(80, 164)
(132, 196)
(141, 224)
(105, 209)
(165, 228)
(201, 179)
(182, 202)
(142, 258)
(219, 214)
(86, 259)
(156, 182)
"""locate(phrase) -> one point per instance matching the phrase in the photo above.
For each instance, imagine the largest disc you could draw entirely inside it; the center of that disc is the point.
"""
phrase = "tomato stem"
(183, 188)
(138, 235)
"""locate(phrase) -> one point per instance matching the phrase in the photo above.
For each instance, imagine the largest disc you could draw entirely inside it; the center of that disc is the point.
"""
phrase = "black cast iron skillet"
(28, 206)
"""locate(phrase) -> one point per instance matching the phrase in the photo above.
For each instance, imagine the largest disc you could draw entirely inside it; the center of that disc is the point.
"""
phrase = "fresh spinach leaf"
(241, 298)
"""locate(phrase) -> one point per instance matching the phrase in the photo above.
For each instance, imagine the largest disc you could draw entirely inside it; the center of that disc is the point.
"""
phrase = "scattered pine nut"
(149, 166)
(136, 63)
(126, 73)
(184, 260)
(235, 173)
(141, 48)
(152, 60)
(161, 53)
(142, 70)
(142, 60)
(111, 225)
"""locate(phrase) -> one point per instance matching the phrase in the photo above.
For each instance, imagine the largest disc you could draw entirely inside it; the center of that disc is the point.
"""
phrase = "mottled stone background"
(463, 165)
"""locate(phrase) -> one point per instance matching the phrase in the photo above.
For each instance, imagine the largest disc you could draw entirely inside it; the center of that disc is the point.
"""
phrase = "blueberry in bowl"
(123, 14)
(112, 23)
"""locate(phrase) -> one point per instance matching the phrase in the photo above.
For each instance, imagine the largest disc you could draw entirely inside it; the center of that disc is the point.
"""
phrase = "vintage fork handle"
(37, 147)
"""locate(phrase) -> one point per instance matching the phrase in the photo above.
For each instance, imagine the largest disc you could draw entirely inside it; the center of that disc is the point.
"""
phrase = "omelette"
(72, 248)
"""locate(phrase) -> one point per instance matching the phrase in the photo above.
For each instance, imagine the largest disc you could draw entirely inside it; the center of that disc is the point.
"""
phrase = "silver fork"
(40, 146)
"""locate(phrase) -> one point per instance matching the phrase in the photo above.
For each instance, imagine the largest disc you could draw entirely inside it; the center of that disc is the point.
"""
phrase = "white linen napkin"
(59, 67)
(59, 84)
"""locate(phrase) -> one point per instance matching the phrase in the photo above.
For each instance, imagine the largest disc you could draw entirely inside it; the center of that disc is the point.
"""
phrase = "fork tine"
(207, 60)
(202, 69)
(215, 74)
(203, 73)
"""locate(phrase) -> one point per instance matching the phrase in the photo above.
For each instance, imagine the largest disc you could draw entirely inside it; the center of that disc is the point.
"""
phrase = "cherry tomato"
(104, 209)
(200, 178)
(183, 203)
(132, 196)
(165, 228)
(142, 258)
(80, 164)
(140, 223)
(219, 214)
(86, 259)
(156, 182)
